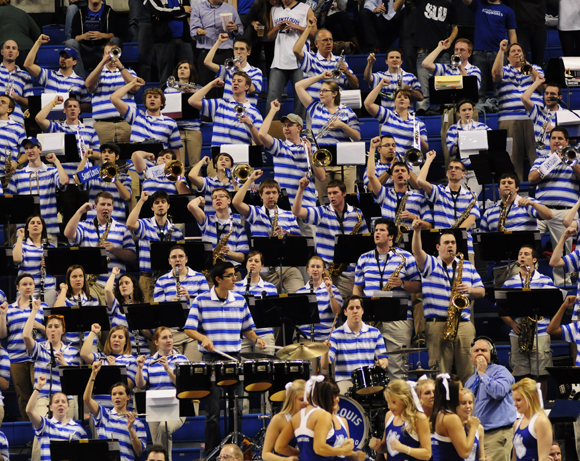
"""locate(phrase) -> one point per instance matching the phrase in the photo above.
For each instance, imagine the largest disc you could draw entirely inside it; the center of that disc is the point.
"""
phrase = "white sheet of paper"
(351, 153)
(162, 405)
(52, 143)
(351, 98)
(46, 98)
(471, 142)
(565, 117)
(239, 152)
(155, 172)
(172, 105)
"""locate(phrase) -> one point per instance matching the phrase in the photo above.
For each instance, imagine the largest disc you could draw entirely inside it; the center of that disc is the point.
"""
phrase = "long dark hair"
(137, 292)
(43, 235)
(324, 394)
(86, 288)
(192, 71)
(441, 403)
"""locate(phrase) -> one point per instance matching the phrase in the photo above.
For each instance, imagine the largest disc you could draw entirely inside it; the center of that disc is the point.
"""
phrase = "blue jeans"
(70, 14)
(423, 77)
(276, 83)
(484, 60)
(168, 54)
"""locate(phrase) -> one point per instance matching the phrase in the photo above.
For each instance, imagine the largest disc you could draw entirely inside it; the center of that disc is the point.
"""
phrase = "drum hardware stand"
(258, 441)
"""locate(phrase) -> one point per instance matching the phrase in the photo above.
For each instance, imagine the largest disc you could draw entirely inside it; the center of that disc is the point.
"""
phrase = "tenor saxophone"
(92, 278)
(466, 212)
(337, 269)
(503, 213)
(527, 324)
(401, 227)
(457, 303)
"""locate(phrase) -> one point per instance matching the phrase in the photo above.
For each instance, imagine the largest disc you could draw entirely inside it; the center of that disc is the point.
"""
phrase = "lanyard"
(452, 279)
(381, 272)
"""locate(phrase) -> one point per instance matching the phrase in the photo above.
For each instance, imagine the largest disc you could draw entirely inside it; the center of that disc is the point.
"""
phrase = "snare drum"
(227, 373)
(193, 380)
(369, 380)
(257, 375)
(358, 423)
(285, 372)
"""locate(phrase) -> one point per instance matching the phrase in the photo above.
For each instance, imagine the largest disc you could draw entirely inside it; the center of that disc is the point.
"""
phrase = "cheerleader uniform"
(525, 441)
(443, 449)
(399, 433)
(473, 455)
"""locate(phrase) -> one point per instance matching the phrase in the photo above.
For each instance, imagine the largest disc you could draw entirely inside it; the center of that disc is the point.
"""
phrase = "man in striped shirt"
(570, 263)
(152, 175)
(11, 136)
(354, 345)
(223, 316)
(439, 274)
(222, 163)
(569, 333)
(151, 125)
(14, 82)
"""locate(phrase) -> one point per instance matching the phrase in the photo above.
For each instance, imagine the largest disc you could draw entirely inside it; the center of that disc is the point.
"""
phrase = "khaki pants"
(522, 132)
(191, 149)
(113, 131)
(498, 444)
(163, 435)
(344, 284)
(418, 313)
(23, 379)
(98, 291)
(335, 172)
(292, 279)
(396, 335)
(147, 287)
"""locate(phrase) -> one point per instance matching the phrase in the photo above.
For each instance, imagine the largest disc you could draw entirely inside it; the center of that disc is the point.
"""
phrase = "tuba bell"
(173, 170)
(242, 172)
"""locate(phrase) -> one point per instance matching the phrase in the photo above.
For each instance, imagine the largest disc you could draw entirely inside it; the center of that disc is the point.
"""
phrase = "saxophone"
(388, 286)
(401, 227)
(92, 278)
(457, 303)
(216, 254)
(466, 212)
(503, 214)
(274, 223)
(527, 324)
(337, 269)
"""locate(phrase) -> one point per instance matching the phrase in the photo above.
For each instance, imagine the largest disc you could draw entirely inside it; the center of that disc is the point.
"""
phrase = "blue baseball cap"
(32, 140)
(71, 53)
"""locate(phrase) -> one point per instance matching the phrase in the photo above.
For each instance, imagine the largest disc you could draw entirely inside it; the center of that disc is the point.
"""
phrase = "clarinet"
(311, 283)
(177, 283)
(42, 270)
(248, 283)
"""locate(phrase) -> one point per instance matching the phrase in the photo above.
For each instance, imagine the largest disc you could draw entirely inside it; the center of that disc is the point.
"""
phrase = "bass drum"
(358, 423)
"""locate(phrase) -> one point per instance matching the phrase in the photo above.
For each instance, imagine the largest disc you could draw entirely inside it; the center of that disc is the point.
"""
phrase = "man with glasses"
(387, 148)
(230, 452)
(543, 115)
(223, 316)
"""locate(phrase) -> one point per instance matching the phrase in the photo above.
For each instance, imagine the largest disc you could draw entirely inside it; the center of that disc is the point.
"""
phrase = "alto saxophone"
(527, 324)
(216, 254)
(92, 278)
(466, 212)
(457, 303)
(401, 227)
(503, 214)
(337, 269)
(388, 286)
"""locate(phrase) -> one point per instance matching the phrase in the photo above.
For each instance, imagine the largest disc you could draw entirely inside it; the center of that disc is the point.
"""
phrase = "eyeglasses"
(322, 90)
(229, 276)
(226, 458)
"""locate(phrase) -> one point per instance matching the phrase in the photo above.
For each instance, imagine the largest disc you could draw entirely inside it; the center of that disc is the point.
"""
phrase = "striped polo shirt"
(260, 220)
(18, 82)
(380, 169)
(149, 231)
(539, 114)
(436, 285)
(16, 318)
(31, 262)
(402, 130)
(537, 281)
(118, 318)
(4, 448)
(87, 235)
(390, 200)
(328, 226)
(408, 79)
(371, 265)
(165, 289)
(41, 357)
(572, 264)
(227, 129)
(151, 184)
(350, 350)
(4, 369)
(209, 185)
(519, 218)
(97, 185)
(11, 136)
(453, 136)
(155, 375)
(54, 430)
(446, 69)
(214, 230)
(222, 321)
(255, 75)
(189, 125)
(256, 289)
(130, 364)
(26, 182)
(149, 128)
(73, 339)
(571, 334)
(112, 425)
(54, 82)
(560, 187)
(109, 82)
(511, 88)
(85, 132)
(290, 166)
(322, 329)
(319, 115)
(316, 64)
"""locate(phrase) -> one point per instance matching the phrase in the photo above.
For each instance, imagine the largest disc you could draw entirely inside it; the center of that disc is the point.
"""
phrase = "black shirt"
(433, 21)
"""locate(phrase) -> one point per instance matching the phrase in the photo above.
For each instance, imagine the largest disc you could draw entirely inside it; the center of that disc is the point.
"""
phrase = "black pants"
(205, 75)
(570, 40)
(533, 39)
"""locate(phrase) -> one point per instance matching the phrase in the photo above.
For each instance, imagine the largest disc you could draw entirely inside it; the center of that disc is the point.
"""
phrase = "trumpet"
(115, 53)
(336, 72)
(176, 84)
(230, 63)
(525, 68)
(110, 170)
(174, 170)
(240, 111)
(456, 60)
(541, 141)
(321, 157)
(242, 172)
(569, 155)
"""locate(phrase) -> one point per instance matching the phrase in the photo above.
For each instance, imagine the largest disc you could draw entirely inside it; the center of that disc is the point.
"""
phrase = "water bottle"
(202, 452)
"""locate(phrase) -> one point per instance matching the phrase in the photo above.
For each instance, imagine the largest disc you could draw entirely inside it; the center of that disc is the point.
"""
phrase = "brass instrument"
(388, 286)
(503, 213)
(8, 169)
(10, 87)
(174, 170)
(527, 324)
(569, 155)
(401, 228)
(525, 68)
(466, 212)
(230, 63)
(457, 303)
(399, 78)
(321, 157)
(274, 223)
(337, 269)
(240, 111)
(115, 53)
(172, 82)
(414, 156)
(92, 278)
(336, 72)
(242, 172)
(110, 170)
(456, 61)
(541, 141)
(325, 129)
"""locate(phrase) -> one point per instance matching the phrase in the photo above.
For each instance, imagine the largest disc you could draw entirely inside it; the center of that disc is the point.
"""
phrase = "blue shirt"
(491, 24)
(53, 429)
(206, 16)
(148, 231)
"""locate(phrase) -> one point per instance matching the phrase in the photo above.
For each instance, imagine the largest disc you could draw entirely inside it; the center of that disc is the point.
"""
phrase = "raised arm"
(429, 61)
(140, 381)
(299, 45)
(302, 85)
(370, 105)
(110, 287)
(133, 218)
(238, 200)
(62, 176)
(422, 178)
(527, 96)
(497, 69)
(368, 73)
(208, 61)
(197, 98)
(297, 209)
(42, 116)
(195, 207)
(93, 79)
(194, 175)
(417, 245)
(374, 183)
(87, 349)
(29, 326)
(17, 253)
(35, 69)
(554, 328)
(70, 231)
(543, 211)
(33, 415)
(3, 325)
(556, 260)
(90, 403)
(569, 219)
(456, 433)
(117, 97)
(265, 138)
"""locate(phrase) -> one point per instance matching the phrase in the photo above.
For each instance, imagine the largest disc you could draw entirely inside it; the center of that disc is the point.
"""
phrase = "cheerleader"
(426, 393)
(533, 432)
(158, 372)
(406, 434)
(28, 255)
(127, 429)
(126, 291)
(449, 440)
(13, 317)
(464, 411)
(293, 403)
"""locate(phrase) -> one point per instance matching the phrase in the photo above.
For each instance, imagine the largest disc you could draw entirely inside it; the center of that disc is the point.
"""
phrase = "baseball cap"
(292, 118)
(112, 146)
(70, 52)
(32, 140)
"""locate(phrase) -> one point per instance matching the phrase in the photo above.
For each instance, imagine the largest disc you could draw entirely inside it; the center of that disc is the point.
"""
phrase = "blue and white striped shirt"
(88, 135)
(4, 370)
(112, 425)
(290, 166)
(53, 429)
(408, 79)
(189, 125)
(453, 137)
(31, 262)
(222, 321)
(350, 350)
(257, 290)
(537, 281)
(539, 114)
(87, 235)
(436, 286)
(316, 64)
(227, 129)
(560, 187)
(41, 356)
(20, 83)
(11, 136)
(322, 329)
(446, 69)
(260, 221)
(572, 264)
(319, 115)
(151, 184)
(209, 185)
(571, 334)
(15, 320)
(401, 130)
(118, 318)
(380, 169)
(119, 205)
(54, 82)
(511, 88)
(148, 231)
(328, 226)
(130, 364)
(165, 290)
(109, 82)
(255, 75)
(518, 218)
(148, 128)
(24, 182)
(389, 200)
(4, 448)
(213, 231)
(156, 375)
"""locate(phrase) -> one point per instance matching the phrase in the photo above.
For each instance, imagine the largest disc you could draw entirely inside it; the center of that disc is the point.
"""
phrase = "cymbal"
(304, 351)
(255, 356)
(420, 371)
(407, 350)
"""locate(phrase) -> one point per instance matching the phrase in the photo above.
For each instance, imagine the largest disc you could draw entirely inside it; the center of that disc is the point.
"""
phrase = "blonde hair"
(421, 383)
(316, 258)
(401, 390)
(295, 390)
(466, 390)
(527, 387)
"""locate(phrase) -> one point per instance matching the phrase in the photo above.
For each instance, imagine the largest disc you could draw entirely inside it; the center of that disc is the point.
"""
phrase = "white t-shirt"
(569, 15)
(286, 39)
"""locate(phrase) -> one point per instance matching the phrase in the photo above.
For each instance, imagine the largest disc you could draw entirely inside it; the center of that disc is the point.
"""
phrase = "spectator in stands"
(18, 26)
(242, 50)
(93, 27)
(511, 85)
(205, 27)
(172, 42)
(532, 33)
(108, 77)
(288, 22)
(259, 20)
(71, 10)
(145, 39)
(407, 39)
(569, 27)
(14, 81)
(397, 77)
(435, 20)
(494, 22)
(11, 136)
(377, 26)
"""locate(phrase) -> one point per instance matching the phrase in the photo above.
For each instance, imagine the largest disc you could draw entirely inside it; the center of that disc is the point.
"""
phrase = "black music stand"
(93, 259)
(85, 450)
(7, 268)
(15, 209)
(188, 112)
(500, 246)
(385, 309)
(536, 303)
(430, 238)
(80, 319)
(150, 316)
(454, 95)
(366, 203)
(129, 148)
(199, 255)
(254, 155)
(348, 248)
(177, 211)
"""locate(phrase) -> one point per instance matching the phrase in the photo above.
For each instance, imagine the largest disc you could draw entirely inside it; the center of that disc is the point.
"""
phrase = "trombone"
(414, 156)
(110, 170)
(321, 157)
(176, 84)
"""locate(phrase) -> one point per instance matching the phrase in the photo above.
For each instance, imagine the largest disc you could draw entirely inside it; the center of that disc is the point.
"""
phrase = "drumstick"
(225, 355)
(332, 328)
